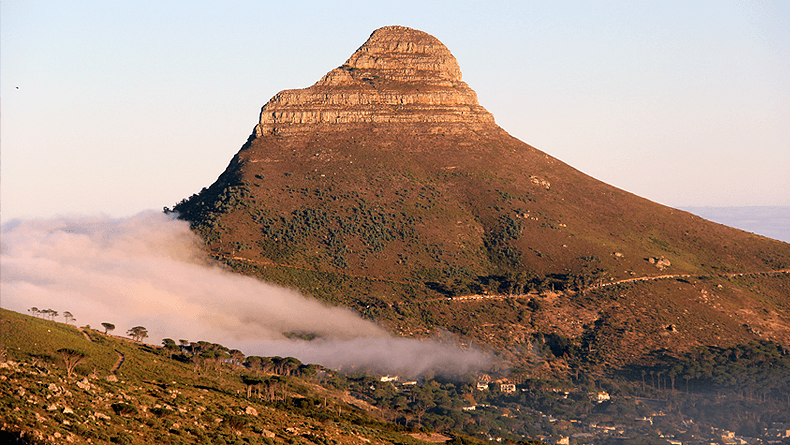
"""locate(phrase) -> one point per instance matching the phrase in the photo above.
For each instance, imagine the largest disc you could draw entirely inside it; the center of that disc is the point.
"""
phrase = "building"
(507, 387)
(602, 396)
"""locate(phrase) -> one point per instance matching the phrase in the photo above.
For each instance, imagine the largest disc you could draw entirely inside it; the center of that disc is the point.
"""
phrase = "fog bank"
(149, 270)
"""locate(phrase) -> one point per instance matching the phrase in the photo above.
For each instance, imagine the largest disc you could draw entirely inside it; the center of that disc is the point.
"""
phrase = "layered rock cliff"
(399, 76)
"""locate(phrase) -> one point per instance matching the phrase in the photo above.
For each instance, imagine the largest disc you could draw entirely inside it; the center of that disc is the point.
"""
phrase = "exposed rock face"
(399, 76)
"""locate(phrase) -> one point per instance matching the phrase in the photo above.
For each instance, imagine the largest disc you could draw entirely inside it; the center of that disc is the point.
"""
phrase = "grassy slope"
(168, 401)
(172, 403)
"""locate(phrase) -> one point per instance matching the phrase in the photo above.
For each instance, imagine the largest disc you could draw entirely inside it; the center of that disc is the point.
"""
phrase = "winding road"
(469, 298)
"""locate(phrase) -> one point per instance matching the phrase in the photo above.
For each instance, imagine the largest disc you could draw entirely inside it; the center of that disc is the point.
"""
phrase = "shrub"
(124, 409)
(161, 412)
(235, 423)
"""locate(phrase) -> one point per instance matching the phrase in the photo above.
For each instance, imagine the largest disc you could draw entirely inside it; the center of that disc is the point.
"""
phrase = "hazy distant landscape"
(770, 221)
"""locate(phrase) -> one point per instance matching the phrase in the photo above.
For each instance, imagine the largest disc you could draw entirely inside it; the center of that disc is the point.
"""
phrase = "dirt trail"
(85, 334)
(666, 277)
(121, 357)
(118, 364)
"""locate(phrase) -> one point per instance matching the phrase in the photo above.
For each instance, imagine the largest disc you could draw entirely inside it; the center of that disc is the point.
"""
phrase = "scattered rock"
(52, 407)
(251, 411)
(541, 182)
(112, 378)
(67, 410)
(101, 416)
(660, 262)
(84, 384)
(267, 433)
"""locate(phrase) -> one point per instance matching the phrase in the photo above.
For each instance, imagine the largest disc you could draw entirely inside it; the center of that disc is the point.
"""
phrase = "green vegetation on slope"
(153, 398)
(201, 392)
(396, 222)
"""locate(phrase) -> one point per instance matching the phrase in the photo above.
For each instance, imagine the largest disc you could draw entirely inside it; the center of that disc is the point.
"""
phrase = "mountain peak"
(387, 188)
(399, 76)
(407, 55)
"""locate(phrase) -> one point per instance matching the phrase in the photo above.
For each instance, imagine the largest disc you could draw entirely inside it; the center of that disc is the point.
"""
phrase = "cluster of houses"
(778, 433)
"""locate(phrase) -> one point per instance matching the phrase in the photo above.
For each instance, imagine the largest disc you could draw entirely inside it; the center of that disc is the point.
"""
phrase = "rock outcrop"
(399, 76)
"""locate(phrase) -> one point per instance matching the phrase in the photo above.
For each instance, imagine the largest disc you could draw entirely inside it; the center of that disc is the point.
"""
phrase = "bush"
(124, 409)
(122, 439)
(161, 412)
(236, 423)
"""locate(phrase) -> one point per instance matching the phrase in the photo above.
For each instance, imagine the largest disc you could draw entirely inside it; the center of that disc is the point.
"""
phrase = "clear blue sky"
(113, 107)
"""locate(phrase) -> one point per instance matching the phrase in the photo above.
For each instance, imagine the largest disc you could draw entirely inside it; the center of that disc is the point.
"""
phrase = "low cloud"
(149, 270)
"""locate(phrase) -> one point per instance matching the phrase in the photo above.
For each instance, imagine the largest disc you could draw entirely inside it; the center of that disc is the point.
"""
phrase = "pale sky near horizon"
(113, 107)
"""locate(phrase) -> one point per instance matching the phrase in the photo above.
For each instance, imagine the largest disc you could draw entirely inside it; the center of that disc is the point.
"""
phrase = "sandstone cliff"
(399, 76)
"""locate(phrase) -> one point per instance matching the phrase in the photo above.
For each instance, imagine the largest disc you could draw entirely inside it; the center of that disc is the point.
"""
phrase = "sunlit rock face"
(399, 76)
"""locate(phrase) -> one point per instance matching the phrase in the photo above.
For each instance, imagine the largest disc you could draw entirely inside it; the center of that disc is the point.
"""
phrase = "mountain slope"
(155, 395)
(385, 186)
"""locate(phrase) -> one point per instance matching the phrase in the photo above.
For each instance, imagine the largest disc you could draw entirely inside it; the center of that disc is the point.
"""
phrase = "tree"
(67, 315)
(286, 366)
(259, 363)
(522, 281)
(71, 358)
(34, 310)
(51, 314)
(138, 333)
(236, 357)
(252, 382)
(170, 346)
(108, 327)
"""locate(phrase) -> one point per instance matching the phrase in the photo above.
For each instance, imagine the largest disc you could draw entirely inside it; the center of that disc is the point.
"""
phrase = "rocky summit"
(387, 188)
(399, 76)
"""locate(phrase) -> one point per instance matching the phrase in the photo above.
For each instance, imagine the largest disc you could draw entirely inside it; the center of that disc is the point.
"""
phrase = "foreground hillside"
(126, 392)
(387, 188)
